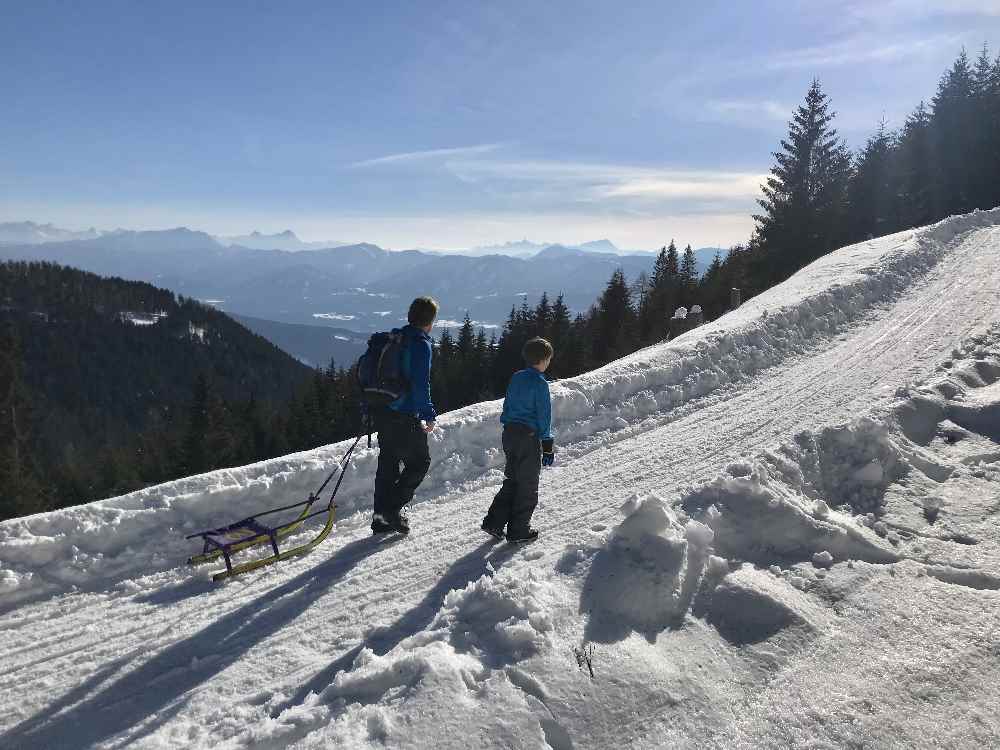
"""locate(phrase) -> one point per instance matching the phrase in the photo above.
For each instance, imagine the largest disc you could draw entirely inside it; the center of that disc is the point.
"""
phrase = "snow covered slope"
(781, 529)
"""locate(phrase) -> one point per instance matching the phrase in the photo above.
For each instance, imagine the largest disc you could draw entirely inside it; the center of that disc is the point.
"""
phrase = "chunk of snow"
(698, 534)
(717, 566)
(822, 559)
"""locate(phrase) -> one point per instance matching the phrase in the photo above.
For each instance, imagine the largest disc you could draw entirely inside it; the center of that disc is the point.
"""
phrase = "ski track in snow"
(111, 642)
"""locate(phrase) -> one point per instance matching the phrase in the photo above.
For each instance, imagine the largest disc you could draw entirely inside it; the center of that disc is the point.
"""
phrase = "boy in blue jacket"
(404, 424)
(527, 444)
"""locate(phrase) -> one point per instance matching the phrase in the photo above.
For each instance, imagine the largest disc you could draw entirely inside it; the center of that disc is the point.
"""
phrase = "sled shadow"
(149, 694)
(461, 573)
(178, 592)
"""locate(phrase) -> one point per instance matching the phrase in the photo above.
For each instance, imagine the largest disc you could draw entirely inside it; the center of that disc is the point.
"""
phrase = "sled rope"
(249, 532)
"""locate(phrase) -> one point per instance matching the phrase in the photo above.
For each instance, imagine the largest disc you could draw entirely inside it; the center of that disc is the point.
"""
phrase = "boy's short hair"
(537, 350)
(423, 311)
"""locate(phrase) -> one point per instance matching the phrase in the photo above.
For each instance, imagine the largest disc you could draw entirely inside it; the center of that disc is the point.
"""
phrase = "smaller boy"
(527, 444)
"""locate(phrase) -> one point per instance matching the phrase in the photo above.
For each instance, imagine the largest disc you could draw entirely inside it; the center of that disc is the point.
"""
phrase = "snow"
(448, 323)
(142, 318)
(334, 316)
(781, 529)
(197, 332)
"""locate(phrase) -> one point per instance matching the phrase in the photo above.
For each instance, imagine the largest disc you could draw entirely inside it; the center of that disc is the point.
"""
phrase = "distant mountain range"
(526, 249)
(358, 287)
(30, 233)
(286, 240)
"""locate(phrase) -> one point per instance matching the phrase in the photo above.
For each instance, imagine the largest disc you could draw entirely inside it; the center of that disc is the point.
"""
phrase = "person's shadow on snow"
(121, 696)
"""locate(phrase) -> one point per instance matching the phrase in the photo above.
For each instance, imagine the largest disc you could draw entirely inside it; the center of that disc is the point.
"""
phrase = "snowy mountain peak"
(600, 246)
(286, 240)
(31, 233)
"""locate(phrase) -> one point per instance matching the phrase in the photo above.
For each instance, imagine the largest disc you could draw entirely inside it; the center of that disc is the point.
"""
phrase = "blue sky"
(447, 124)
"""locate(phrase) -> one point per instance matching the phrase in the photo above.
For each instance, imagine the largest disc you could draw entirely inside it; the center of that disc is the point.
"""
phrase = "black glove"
(548, 452)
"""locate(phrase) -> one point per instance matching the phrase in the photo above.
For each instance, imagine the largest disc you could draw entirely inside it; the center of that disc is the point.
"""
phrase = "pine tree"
(507, 360)
(481, 389)
(466, 338)
(543, 317)
(615, 333)
(662, 297)
(659, 268)
(560, 323)
(577, 350)
(804, 198)
(559, 332)
(986, 92)
(953, 128)
(871, 190)
(712, 294)
(913, 172)
(641, 299)
(465, 382)
(193, 458)
(672, 268)
(443, 390)
(688, 278)
(21, 490)
(492, 373)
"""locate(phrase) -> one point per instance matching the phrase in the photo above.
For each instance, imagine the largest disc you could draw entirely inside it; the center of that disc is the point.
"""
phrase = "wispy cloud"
(720, 186)
(768, 109)
(911, 10)
(582, 182)
(429, 154)
(859, 49)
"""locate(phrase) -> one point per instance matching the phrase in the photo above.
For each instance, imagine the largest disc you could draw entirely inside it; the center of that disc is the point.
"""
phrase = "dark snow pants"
(401, 440)
(517, 498)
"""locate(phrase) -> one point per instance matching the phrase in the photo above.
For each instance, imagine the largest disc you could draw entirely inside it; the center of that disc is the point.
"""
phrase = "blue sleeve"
(543, 406)
(420, 380)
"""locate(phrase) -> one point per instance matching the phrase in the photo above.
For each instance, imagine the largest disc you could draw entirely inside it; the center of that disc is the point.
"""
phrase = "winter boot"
(493, 532)
(526, 538)
(399, 523)
(380, 525)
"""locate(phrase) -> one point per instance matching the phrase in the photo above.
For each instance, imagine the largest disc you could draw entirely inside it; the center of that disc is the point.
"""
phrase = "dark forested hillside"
(314, 345)
(97, 377)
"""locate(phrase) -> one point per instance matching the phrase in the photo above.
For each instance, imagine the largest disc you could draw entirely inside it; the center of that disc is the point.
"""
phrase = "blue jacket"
(528, 402)
(417, 368)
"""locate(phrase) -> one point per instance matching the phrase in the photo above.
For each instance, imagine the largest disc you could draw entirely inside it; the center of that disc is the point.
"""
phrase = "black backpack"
(380, 371)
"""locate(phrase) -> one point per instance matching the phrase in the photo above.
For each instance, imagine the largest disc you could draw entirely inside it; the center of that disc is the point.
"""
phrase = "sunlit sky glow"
(443, 125)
